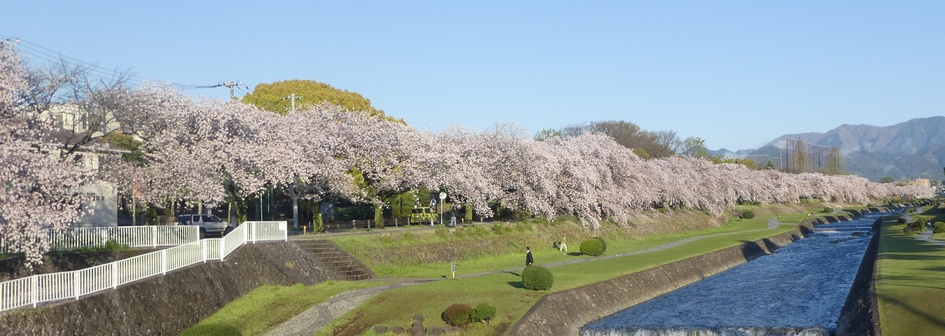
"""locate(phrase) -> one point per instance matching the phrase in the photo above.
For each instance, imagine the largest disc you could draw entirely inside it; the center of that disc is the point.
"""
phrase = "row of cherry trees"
(215, 152)
(211, 150)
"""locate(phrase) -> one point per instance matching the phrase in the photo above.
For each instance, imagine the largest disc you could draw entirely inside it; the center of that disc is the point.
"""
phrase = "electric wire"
(37, 51)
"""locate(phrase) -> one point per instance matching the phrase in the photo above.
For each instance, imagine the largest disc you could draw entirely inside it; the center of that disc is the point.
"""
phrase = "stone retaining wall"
(166, 305)
(565, 312)
(860, 316)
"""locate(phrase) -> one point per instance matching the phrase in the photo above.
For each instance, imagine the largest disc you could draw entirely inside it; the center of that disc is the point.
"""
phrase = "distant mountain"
(908, 150)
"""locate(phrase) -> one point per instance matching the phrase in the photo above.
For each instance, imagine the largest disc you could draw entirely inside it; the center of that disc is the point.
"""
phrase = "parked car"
(422, 215)
(209, 224)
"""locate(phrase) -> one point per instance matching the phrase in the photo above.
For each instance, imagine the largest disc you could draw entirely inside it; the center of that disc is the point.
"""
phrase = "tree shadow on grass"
(932, 319)
(516, 284)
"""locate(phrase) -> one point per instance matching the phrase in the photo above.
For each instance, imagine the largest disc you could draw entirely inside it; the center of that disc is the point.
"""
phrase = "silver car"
(209, 224)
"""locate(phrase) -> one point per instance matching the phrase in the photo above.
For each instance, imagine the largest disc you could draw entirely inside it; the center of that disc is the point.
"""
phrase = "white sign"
(442, 195)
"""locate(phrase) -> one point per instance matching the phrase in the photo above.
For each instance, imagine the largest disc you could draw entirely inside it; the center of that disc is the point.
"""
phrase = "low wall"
(565, 312)
(860, 315)
(166, 305)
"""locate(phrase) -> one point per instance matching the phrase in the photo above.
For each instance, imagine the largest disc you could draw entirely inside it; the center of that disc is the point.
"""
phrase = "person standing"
(563, 246)
(528, 256)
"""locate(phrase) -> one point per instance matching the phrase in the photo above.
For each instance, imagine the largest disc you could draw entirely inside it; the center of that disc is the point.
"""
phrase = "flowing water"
(798, 290)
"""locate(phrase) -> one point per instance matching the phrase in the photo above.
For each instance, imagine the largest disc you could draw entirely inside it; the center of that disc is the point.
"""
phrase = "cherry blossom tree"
(39, 183)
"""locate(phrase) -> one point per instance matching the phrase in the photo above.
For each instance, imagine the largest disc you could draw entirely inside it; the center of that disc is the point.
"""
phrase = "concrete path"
(925, 236)
(316, 318)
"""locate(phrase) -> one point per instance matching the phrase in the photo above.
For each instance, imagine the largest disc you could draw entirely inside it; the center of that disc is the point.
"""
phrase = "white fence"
(76, 284)
(130, 236)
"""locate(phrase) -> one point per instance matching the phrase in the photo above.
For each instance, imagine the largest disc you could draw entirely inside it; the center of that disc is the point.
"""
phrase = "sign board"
(772, 223)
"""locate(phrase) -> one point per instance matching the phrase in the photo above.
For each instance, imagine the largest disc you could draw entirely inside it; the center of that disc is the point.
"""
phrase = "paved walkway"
(925, 235)
(316, 318)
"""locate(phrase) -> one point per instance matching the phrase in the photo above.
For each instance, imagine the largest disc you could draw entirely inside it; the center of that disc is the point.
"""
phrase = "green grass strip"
(910, 284)
(269, 306)
(504, 291)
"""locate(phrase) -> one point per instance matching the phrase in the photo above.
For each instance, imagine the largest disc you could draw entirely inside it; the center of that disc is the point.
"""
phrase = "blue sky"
(735, 73)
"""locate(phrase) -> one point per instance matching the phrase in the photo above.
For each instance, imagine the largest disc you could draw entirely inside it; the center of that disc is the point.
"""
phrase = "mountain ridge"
(911, 149)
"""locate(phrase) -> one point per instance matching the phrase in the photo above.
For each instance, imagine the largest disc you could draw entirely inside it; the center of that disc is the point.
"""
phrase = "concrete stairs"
(336, 259)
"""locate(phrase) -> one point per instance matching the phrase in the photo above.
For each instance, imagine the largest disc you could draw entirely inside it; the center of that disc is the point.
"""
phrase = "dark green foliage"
(919, 224)
(748, 214)
(938, 227)
(828, 210)
(109, 246)
(482, 313)
(537, 278)
(603, 244)
(457, 314)
(592, 247)
(901, 220)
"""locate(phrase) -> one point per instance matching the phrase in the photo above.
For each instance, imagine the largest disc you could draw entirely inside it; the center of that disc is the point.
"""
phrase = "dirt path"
(319, 316)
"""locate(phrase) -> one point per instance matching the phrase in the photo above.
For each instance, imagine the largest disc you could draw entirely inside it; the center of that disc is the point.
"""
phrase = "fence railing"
(130, 236)
(36, 289)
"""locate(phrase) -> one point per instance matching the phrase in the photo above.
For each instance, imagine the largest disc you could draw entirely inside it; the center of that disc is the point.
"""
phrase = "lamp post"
(442, 200)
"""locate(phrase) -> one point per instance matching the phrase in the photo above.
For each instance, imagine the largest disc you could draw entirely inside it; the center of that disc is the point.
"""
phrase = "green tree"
(834, 162)
(547, 133)
(886, 179)
(798, 160)
(275, 97)
(769, 165)
(649, 144)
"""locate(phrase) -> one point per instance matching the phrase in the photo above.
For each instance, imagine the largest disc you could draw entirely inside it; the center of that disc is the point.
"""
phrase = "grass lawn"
(504, 290)
(910, 285)
(544, 254)
(268, 306)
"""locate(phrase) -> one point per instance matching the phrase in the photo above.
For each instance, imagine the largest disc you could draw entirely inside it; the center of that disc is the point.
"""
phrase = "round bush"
(537, 278)
(828, 210)
(901, 220)
(938, 227)
(603, 244)
(907, 230)
(482, 313)
(592, 247)
(457, 314)
(748, 214)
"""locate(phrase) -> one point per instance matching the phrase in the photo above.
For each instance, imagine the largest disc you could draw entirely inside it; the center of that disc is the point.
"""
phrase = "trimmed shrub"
(938, 227)
(828, 209)
(603, 244)
(901, 220)
(907, 230)
(537, 278)
(592, 247)
(748, 214)
(919, 224)
(482, 313)
(457, 314)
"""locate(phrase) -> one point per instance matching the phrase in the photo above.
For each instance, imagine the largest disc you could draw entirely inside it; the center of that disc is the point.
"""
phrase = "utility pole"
(292, 98)
(232, 85)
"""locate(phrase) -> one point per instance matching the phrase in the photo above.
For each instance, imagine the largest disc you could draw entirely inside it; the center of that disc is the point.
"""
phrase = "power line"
(48, 55)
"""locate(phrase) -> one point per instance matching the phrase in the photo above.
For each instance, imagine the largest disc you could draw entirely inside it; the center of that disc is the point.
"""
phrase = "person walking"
(528, 256)
(563, 245)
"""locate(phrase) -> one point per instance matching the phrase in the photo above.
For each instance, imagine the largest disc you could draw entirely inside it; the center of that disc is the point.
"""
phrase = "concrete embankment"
(166, 305)
(565, 312)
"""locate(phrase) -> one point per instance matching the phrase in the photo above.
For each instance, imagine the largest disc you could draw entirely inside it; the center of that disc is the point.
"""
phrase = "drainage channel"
(799, 290)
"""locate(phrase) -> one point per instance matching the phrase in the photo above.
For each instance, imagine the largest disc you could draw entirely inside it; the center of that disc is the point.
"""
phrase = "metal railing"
(32, 290)
(130, 236)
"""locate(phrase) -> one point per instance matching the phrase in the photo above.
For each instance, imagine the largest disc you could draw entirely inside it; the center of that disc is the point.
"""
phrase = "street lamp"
(442, 200)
